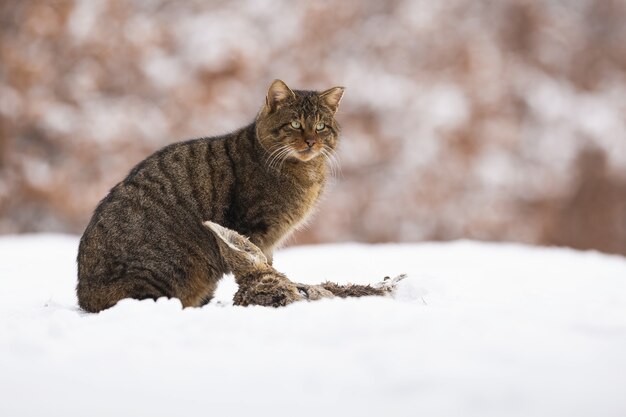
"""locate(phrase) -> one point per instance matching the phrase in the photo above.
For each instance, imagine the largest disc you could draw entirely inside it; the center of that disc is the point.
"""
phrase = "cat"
(261, 284)
(145, 239)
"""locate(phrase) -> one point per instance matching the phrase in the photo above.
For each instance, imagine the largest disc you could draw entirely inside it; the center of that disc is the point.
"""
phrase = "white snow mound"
(475, 330)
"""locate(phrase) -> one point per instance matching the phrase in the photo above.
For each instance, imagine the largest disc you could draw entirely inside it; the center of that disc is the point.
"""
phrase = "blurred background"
(494, 120)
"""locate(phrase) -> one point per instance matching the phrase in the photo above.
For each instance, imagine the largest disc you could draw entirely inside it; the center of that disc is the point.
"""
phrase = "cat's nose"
(310, 142)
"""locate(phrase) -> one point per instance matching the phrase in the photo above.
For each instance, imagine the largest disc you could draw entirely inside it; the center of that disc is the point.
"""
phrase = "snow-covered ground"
(476, 330)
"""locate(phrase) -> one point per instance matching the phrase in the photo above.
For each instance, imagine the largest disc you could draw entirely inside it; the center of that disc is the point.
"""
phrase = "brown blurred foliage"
(496, 120)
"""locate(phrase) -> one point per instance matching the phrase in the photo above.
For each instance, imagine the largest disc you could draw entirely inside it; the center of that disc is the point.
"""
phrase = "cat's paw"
(389, 284)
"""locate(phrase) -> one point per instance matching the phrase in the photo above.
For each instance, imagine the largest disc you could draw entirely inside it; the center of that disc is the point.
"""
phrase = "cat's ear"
(277, 94)
(332, 97)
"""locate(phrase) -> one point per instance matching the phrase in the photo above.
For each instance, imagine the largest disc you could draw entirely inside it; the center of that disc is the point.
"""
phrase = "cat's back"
(176, 185)
(150, 190)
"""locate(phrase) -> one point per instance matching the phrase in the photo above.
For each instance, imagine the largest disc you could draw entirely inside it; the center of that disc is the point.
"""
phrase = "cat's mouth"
(306, 154)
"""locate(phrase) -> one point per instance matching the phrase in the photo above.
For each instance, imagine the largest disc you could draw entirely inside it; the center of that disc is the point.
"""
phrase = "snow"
(476, 330)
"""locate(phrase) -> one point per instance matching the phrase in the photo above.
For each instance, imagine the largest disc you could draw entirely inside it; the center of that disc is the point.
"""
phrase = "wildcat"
(145, 239)
(261, 284)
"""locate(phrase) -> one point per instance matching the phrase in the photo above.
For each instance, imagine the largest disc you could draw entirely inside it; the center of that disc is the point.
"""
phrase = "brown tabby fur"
(146, 239)
(260, 284)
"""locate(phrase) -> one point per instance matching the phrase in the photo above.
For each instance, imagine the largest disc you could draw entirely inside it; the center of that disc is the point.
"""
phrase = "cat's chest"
(303, 202)
(275, 207)
(296, 207)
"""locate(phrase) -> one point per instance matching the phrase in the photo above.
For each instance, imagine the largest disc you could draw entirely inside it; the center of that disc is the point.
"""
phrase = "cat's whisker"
(290, 152)
(337, 160)
(333, 162)
(272, 158)
(275, 156)
(282, 157)
(333, 156)
(270, 154)
(273, 149)
(329, 162)
(278, 158)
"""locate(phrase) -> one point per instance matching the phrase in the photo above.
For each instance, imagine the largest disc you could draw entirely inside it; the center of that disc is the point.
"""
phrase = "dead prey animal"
(261, 284)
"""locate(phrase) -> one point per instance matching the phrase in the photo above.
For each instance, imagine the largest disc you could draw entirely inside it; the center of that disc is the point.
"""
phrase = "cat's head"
(241, 255)
(298, 125)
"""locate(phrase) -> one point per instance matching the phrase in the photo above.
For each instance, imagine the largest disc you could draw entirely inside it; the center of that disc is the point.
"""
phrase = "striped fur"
(146, 239)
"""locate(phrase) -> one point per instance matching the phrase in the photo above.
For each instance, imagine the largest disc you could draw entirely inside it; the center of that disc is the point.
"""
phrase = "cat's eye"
(296, 124)
(320, 126)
